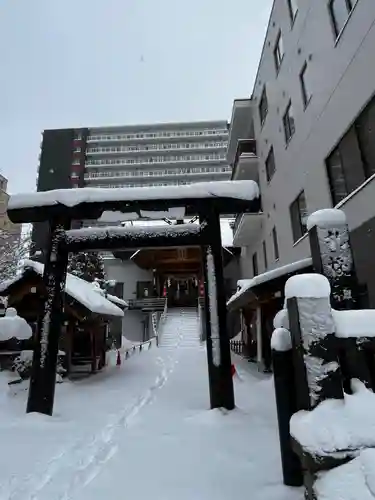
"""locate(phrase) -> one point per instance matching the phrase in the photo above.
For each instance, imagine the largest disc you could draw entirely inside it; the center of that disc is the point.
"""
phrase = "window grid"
(293, 9)
(263, 106)
(155, 135)
(298, 215)
(157, 173)
(288, 123)
(275, 244)
(157, 147)
(265, 255)
(339, 12)
(156, 159)
(278, 52)
(270, 165)
(305, 85)
(255, 264)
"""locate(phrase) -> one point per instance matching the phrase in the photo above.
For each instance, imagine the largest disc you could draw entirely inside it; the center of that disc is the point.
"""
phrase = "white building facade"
(312, 113)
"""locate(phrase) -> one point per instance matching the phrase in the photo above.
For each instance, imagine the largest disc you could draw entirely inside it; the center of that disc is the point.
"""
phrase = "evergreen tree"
(87, 265)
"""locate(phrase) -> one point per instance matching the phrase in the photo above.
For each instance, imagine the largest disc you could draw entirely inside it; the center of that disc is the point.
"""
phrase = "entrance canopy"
(90, 203)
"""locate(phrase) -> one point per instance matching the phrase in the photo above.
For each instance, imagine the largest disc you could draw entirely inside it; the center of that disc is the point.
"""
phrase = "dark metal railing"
(152, 303)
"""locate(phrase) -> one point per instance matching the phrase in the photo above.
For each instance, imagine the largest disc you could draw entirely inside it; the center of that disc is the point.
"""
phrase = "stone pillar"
(332, 255)
(43, 375)
(218, 347)
(317, 371)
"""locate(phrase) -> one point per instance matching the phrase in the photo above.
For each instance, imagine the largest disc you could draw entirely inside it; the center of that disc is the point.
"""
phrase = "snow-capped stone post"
(332, 255)
(285, 395)
(218, 347)
(317, 371)
(43, 374)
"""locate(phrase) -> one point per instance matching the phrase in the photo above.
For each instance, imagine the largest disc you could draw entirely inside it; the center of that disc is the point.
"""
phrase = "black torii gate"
(61, 207)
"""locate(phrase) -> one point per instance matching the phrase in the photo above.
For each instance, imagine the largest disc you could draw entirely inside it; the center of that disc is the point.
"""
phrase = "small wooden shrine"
(84, 325)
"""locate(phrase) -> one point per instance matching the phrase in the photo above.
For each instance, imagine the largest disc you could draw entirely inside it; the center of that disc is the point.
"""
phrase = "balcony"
(246, 165)
(247, 228)
(187, 172)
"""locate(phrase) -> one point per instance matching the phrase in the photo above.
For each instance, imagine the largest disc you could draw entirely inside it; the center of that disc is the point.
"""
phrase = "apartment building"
(131, 156)
(312, 113)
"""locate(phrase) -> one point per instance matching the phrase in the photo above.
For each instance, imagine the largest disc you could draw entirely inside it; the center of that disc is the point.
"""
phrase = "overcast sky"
(73, 63)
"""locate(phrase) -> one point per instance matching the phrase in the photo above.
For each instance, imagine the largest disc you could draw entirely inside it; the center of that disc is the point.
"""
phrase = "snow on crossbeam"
(101, 238)
(132, 199)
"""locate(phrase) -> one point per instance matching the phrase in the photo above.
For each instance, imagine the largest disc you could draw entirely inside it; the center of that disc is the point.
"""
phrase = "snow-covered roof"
(82, 291)
(116, 300)
(240, 190)
(278, 272)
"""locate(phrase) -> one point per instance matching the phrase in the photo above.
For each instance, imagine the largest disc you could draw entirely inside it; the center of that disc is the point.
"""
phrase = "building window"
(293, 9)
(288, 122)
(275, 244)
(298, 216)
(270, 165)
(365, 134)
(255, 264)
(265, 255)
(340, 11)
(278, 51)
(263, 106)
(305, 79)
(336, 177)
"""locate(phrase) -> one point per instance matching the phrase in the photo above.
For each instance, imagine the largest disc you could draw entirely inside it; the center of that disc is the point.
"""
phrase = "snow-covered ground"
(143, 430)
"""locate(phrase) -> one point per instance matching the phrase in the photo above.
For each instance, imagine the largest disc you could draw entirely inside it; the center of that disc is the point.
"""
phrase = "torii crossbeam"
(60, 207)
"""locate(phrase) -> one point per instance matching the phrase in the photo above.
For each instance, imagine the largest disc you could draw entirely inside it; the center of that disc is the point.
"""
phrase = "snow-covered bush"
(22, 364)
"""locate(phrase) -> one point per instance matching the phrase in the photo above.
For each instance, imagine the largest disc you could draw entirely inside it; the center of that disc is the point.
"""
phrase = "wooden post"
(218, 347)
(286, 406)
(315, 357)
(332, 256)
(43, 375)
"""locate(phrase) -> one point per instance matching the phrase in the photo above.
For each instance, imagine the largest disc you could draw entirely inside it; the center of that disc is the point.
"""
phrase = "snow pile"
(281, 319)
(248, 284)
(281, 340)
(356, 323)
(240, 190)
(112, 298)
(352, 481)
(326, 218)
(337, 425)
(13, 326)
(82, 291)
(307, 286)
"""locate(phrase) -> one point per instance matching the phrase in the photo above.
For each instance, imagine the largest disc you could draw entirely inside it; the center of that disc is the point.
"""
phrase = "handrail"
(155, 324)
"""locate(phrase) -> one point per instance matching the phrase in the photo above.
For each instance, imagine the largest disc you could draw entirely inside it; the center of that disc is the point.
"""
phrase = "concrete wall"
(129, 273)
(342, 81)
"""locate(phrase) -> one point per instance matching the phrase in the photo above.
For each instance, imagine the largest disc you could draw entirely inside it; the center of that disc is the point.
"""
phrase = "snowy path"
(143, 431)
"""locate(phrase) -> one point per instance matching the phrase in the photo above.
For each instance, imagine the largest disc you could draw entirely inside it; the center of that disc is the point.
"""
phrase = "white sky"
(89, 62)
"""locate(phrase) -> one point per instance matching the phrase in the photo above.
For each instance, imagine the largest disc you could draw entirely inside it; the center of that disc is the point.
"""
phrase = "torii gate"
(59, 207)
